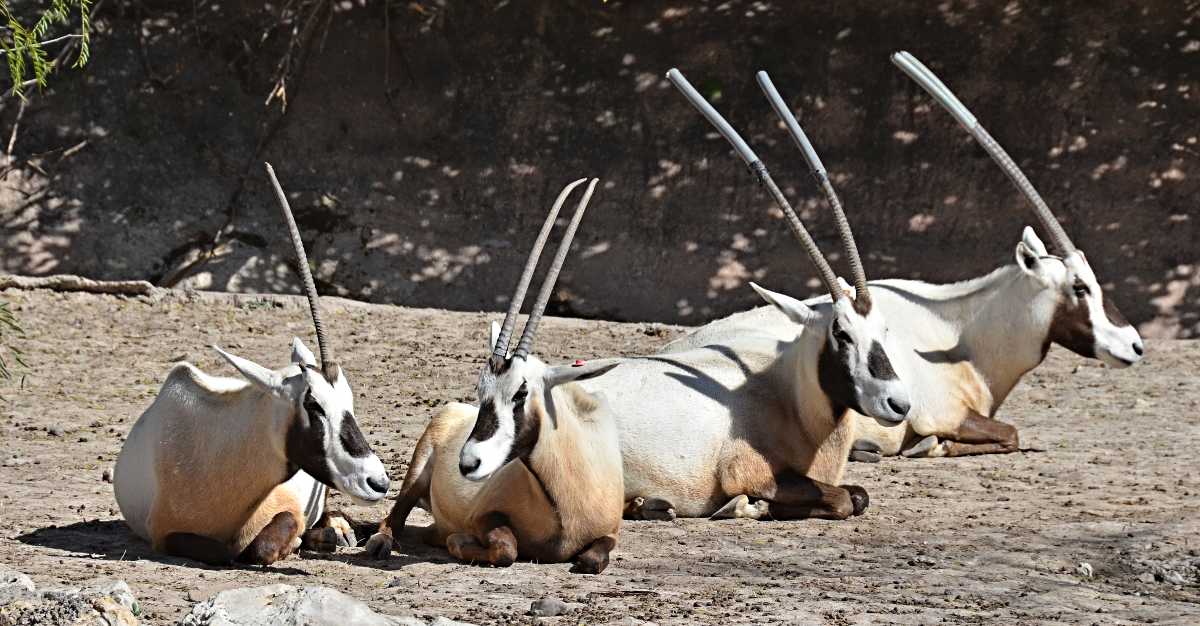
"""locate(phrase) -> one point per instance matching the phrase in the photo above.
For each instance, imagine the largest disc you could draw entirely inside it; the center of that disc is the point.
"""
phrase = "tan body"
(184, 470)
(742, 414)
(564, 496)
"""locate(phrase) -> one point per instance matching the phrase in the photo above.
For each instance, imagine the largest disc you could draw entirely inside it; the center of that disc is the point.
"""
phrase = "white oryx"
(222, 470)
(533, 472)
(757, 414)
(964, 346)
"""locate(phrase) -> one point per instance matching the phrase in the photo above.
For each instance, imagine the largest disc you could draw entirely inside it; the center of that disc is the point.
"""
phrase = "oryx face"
(320, 434)
(514, 394)
(854, 368)
(508, 424)
(1084, 320)
(325, 441)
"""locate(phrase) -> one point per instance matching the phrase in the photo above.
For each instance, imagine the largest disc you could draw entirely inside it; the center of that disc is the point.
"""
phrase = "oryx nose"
(466, 466)
(380, 484)
(901, 407)
(1138, 348)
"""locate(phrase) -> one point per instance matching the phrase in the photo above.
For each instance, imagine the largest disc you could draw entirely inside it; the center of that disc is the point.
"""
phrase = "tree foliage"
(25, 39)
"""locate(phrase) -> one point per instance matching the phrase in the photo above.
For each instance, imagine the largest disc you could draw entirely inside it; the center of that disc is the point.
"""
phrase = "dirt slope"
(977, 540)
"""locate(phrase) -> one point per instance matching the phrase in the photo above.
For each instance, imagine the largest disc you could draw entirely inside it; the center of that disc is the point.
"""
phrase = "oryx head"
(853, 367)
(514, 390)
(321, 434)
(1083, 319)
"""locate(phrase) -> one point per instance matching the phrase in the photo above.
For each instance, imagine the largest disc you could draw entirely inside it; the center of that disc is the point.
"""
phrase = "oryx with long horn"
(758, 414)
(533, 472)
(221, 469)
(965, 346)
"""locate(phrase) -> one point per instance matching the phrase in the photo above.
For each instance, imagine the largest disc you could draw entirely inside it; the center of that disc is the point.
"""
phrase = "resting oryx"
(964, 346)
(220, 469)
(758, 414)
(535, 471)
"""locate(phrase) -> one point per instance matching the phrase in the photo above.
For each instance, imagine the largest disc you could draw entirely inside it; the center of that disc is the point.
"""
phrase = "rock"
(1147, 578)
(550, 607)
(54, 431)
(106, 476)
(1084, 569)
(285, 605)
(102, 602)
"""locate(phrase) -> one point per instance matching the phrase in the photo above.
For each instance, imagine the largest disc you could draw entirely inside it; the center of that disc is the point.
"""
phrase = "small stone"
(106, 476)
(1146, 577)
(54, 431)
(1084, 569)
(548, 607)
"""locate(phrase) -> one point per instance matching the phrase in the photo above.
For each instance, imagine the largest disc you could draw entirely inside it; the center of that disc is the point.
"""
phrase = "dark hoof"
(859, 498)
(320, 540)
(864, 456)
(379, 546)
(590, 564)
(650, 509)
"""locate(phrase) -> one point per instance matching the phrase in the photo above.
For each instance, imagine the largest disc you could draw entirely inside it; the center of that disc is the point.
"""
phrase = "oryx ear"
(1030, 238)
(847, 288)
(794, 309)
(301, 355)
(559, 374)
(494, 335)
(255, 373)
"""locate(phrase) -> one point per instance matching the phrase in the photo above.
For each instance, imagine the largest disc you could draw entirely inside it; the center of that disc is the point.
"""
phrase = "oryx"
(222, 469)
(759, 414)
(534, 471)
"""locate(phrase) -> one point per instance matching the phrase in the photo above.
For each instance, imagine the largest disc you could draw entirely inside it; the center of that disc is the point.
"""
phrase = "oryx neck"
(1004, 331)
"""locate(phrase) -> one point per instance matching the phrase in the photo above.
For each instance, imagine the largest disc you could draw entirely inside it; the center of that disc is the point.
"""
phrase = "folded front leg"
(494, 542)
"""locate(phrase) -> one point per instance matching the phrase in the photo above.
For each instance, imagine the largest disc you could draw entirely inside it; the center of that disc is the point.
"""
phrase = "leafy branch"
(24, 47)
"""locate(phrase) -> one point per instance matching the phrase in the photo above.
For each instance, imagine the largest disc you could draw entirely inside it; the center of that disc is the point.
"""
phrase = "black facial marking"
(833, 375)
(878, 363)
(1071, 328)
(305, 442)
(352, 438)
(486, 422)
(528, 429)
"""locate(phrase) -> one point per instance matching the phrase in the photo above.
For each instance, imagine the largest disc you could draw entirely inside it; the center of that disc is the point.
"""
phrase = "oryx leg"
(278, 539)
(335, 528)
(380, 544)
(796, 496)
(493, 542)
(655, 509)
(783, 493)
(982, 435)
(594, 558)
(865, 451)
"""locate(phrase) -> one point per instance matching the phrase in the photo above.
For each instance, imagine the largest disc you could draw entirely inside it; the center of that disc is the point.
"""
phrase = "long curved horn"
(514, 308)
(310, 289)
(828, 278)
(539, 306)
(940, 92)
(862, 296)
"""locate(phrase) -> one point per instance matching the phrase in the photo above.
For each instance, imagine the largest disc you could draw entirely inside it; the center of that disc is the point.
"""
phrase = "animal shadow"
(113, 541)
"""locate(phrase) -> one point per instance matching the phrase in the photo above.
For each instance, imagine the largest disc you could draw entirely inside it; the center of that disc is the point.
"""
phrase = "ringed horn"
(828, 278)
(525, 344)
(940, 92)
(328, 367)
(849, 247)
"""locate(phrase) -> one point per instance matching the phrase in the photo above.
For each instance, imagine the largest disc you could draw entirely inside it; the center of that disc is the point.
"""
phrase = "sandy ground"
(987, 539)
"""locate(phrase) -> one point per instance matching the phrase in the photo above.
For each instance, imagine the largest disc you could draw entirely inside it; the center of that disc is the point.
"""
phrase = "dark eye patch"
(312, 407)
(841, 335)
(352, 438)
(1081, 289)
(878, 364)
